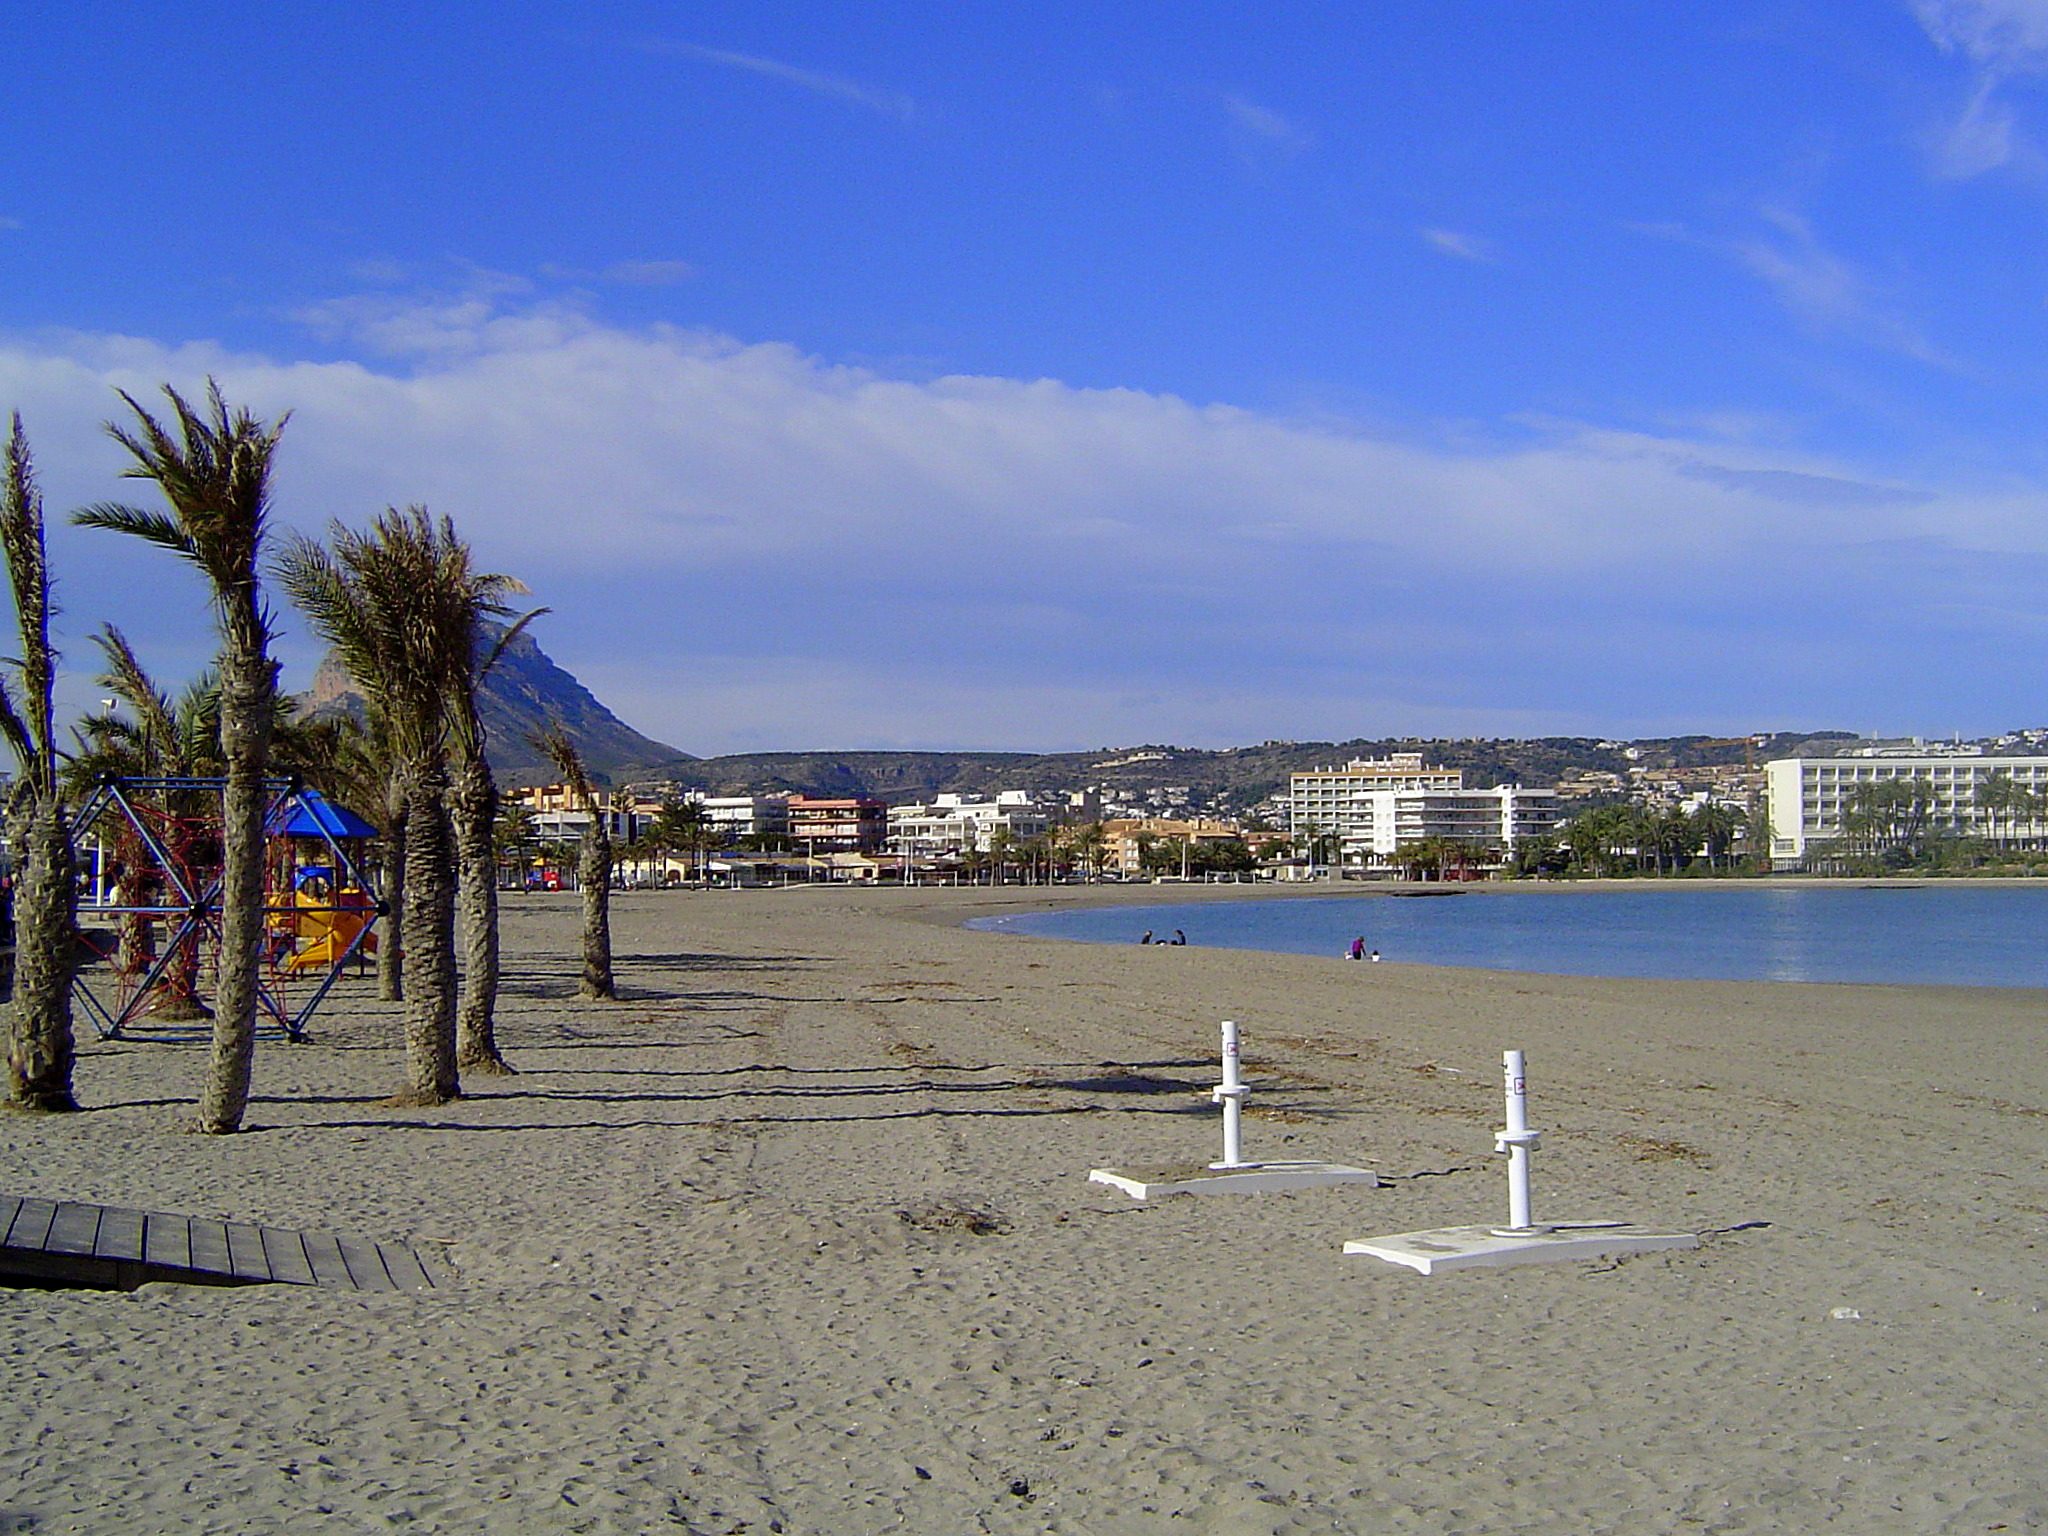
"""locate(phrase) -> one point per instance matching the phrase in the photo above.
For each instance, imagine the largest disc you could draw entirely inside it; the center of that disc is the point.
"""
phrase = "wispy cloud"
(7, 223)
(1828, 292)
(1464, 247)
(888, 103)
(625, 274)
(2008, 36)
(2002, 40)
(648, 274)
(1262, 128)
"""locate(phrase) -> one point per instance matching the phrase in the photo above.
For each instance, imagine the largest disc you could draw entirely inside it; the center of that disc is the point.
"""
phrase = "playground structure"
(151, 922)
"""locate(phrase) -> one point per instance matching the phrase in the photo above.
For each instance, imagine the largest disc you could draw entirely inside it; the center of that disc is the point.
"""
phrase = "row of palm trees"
(1635, 839)
(403, 606)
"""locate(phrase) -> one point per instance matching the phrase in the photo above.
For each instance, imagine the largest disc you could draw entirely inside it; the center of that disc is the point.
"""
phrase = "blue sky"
(943, 375)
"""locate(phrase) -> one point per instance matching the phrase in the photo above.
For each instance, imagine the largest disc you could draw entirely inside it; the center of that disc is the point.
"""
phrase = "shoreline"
(922, 902)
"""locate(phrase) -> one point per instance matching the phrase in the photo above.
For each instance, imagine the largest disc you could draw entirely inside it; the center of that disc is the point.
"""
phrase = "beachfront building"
(1808, 796)
(1125, 838)
(1372, 807)
(956, 824)
(736, 816)
(853, 824)
(558, 816)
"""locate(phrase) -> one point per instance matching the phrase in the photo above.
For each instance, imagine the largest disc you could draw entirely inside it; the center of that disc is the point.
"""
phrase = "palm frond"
(154, 527)
(510, 633)
(16, 731)
(554, 744)
(215, 472)
(132, 684)
(28, 570)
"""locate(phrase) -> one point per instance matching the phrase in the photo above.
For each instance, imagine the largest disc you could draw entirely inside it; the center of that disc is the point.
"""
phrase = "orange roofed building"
(858, 824)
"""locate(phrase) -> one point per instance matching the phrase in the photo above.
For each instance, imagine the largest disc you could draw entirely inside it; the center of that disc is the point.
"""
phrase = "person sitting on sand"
(1179, 937)
(1148, 937)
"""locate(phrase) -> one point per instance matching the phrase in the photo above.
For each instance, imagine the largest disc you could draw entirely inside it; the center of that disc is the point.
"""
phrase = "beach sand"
(798, 1237)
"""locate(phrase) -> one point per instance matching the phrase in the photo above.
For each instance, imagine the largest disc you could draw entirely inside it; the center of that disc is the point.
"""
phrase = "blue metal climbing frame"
(171, 830)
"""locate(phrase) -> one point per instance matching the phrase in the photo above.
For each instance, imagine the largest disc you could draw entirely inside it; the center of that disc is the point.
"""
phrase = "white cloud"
(1464, 247)
(2008, 36)
(2002, 40)
(745, 544)
(1263, 130)
(1827, 291)
(888, 103)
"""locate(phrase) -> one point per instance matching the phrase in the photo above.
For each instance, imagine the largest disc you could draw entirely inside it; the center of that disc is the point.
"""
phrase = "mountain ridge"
(525, 691)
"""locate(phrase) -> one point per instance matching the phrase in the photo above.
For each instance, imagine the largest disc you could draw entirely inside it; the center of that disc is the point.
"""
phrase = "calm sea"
(1940, 934)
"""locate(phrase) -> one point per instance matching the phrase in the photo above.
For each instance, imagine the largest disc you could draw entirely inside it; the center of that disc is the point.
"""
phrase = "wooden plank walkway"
(65, 1242)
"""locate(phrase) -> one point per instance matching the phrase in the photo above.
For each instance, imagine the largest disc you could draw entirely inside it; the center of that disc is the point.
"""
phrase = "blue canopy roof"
(315, 814)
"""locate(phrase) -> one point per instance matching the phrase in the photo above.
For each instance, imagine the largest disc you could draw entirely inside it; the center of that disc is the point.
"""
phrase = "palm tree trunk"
(594, 875)
(40, 1051)
(473, 803)
(429, 934)
(391, 951)
(247, 684)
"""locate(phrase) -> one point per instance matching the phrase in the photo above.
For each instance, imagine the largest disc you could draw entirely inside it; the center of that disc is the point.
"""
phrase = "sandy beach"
(797, 1238)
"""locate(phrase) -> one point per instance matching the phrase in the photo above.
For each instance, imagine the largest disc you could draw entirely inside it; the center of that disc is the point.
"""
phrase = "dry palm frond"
(28, 569)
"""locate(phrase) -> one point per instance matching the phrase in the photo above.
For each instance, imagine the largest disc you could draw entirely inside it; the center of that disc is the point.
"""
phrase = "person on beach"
(1179, 937)
(1148, 937)
(1358, 948)
(1375, 957)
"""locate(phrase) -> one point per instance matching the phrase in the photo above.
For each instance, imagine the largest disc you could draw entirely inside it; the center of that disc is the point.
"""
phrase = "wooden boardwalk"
(63, 1242)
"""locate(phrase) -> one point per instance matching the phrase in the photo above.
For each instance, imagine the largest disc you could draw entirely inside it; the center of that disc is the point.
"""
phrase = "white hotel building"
(1376, 805)
(1807, 795)
(966, 823)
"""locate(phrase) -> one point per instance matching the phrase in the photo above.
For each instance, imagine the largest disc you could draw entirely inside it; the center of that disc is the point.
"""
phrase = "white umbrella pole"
(1231, 1094)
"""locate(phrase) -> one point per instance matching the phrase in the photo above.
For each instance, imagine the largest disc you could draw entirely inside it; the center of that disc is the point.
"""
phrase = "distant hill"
(1232, 776)
(526, 690)
(520, 695)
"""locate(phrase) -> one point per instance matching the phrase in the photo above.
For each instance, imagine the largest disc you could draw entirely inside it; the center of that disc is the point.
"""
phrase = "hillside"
(526, 690)
(520, 695)
(1233, 777)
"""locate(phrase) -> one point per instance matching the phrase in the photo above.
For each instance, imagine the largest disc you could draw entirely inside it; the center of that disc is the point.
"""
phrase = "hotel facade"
(1807, 796)
(1374, 806)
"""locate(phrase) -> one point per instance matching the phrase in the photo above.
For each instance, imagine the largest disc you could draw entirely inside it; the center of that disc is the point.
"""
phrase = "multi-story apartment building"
(967, 823)
(558, 816)
(854, 824)
(1321, 800)
(1375, 806)
(738, 816)
(1807, 796)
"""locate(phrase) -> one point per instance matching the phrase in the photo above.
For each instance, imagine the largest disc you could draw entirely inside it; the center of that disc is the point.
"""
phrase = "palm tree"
(512, 834)
(593, 863)
(215, 473)
(1999, 797)
(1089, 844)
(470, 597)
(1887, 818)
(1715, 826)
(39, 1047)
(391, 604)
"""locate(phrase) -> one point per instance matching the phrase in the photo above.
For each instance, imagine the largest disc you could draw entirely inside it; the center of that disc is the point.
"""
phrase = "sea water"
(1926, 933)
